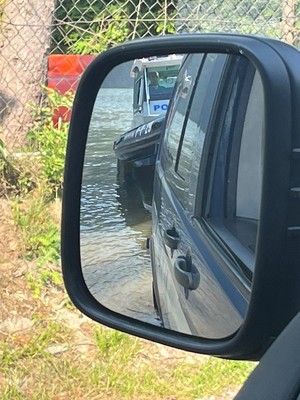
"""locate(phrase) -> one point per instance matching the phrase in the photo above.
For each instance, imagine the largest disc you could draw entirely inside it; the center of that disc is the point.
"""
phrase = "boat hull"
(139, 145)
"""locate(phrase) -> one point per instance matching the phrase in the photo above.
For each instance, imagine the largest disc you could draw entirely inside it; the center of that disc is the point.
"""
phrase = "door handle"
(171, 238)
(186, 275)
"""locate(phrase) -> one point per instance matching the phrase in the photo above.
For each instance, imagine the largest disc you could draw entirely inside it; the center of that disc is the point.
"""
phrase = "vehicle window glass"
(193, 135)
(161, 81)
(137, 94)
(234, 204)
(182, 93)
(249, 178)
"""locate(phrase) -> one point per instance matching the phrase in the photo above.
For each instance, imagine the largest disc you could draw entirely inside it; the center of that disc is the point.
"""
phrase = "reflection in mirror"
(215, 105)
(115, 207)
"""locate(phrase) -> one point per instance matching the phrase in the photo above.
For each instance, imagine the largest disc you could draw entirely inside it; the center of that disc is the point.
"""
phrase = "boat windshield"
(161, 80)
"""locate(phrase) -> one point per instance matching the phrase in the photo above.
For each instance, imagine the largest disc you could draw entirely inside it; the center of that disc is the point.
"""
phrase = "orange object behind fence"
(64, 73)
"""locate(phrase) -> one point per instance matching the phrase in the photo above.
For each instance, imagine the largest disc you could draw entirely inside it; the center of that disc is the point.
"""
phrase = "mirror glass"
(202, 212)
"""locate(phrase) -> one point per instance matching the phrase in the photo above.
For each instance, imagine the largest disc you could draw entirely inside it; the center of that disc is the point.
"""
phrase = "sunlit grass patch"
(46, 364)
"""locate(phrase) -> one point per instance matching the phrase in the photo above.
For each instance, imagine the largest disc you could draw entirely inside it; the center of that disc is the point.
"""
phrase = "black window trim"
(186, 118)
(236, 139)
(173, 99)
(208, 154)
(204, 191)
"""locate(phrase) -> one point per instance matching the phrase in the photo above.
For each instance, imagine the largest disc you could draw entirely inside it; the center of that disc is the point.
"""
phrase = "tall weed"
(16, 173)
(35, 178)
(39, 234)
(41, 161)
(48, 138)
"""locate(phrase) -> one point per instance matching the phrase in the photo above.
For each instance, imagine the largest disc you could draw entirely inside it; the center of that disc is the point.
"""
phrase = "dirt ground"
(18, 303)
(19, 308)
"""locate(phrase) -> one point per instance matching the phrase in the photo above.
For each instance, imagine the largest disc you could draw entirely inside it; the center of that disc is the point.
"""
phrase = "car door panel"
(208, 309)
(217, 306)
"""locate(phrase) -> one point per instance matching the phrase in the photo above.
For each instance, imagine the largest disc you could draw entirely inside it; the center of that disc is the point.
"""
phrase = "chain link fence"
(31, 30)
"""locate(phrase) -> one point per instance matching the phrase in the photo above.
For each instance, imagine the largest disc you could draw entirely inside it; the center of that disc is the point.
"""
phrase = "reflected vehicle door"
(201, 193)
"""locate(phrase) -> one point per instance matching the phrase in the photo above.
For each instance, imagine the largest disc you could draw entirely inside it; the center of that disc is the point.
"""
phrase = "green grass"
(116, 367)
(39, 234)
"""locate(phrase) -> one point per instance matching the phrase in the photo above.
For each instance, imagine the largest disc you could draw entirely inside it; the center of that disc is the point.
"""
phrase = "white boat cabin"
(154, 79)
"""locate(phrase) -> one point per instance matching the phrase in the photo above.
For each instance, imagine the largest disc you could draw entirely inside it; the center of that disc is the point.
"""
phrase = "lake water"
(114, 223)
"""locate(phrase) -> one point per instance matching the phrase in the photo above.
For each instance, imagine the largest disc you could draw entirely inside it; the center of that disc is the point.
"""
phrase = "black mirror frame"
(275, 289)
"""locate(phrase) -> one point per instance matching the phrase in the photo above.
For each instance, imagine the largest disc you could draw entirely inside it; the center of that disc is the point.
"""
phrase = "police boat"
(139, 145)
(154, 79)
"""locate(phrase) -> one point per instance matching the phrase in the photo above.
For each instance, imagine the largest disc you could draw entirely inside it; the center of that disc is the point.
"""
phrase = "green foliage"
(218, 373)
(109, 343)
(44, 158)
(41, 161)
(17, 172)
(117, 371)
(35, 285)
(89, 28)
(48, 140)
(3, 165)
(127, 368)
(36, 346)
(109, 27)
(166, 26)
(39, 234)
(34, 177)
(44, 276)
(67, 15)
(3, 156)
(51, 277)
(259, 17)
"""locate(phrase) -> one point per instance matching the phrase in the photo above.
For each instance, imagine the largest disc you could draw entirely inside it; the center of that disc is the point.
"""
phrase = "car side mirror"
(236, 103)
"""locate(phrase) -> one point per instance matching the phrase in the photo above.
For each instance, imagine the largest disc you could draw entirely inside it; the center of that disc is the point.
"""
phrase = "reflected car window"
(182, 94)
(236, 190)
(193, 136)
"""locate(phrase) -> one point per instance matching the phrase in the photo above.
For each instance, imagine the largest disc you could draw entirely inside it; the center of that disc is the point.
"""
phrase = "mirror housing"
(275, 295)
